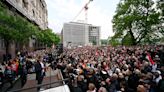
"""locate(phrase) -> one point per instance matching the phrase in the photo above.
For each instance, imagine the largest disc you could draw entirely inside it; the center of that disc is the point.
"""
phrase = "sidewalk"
(51, 76)
(7, 86)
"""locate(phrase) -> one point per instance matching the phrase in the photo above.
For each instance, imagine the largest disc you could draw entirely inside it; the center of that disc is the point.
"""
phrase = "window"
(33, 12)
(25, 4)
(32, 2)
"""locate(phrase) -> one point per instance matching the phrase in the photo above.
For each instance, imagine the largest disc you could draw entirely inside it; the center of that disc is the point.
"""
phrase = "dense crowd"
(94, 69)
(114, 69)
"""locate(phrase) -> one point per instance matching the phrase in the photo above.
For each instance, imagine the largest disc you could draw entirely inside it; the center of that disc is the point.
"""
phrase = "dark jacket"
(161, 86)
(38, 70)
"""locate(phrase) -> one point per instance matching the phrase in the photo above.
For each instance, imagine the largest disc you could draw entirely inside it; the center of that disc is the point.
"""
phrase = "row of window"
(25, 4)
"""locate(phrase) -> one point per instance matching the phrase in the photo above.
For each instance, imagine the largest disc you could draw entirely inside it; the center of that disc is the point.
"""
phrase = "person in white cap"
(158, 76)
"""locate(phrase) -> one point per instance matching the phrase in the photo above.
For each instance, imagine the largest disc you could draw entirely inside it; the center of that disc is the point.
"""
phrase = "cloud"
(62, 11)
(59, 12)
(98, 16)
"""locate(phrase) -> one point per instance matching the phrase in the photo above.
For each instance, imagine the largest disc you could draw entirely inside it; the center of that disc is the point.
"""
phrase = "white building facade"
(80, 34)
(34, 10)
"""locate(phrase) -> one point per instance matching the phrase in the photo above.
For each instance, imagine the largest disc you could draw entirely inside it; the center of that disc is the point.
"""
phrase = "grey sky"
(100, 13)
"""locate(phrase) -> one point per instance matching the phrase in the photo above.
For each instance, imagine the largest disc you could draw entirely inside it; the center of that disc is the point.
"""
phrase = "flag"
(97, 53)
(150, 59)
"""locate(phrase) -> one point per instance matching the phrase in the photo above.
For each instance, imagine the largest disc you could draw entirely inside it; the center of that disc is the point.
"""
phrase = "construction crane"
(85, 8)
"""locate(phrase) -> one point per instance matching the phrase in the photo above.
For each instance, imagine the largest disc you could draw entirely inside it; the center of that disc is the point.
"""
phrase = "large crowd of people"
(95, 69)
(114, 69)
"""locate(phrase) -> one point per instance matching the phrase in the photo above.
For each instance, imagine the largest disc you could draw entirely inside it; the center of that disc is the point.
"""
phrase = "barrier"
(23, 89)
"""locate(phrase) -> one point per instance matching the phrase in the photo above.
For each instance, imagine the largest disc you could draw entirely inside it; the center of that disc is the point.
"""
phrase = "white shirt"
(158, 79)
(42, 65)
(154, 67)
(2, 67)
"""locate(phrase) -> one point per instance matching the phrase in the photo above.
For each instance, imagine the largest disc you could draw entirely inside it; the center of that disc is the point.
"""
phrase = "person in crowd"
(23, 75)
(157, 76)
(141, 88)
(40, 71)
(160, 86)
(14, 67)
(1, 78)
(9, 74)
(91, 88)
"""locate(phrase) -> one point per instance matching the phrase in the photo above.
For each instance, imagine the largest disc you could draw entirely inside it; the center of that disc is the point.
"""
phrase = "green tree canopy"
(14, 28)
(160, 10)
(137, 18)
(48, 37)
(104, 41)
(115, 41)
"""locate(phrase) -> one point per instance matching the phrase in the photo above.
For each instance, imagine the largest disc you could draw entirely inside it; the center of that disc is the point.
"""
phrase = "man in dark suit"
(39, 69)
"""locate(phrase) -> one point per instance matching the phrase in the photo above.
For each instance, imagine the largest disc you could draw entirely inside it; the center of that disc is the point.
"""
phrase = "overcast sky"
(100, 13)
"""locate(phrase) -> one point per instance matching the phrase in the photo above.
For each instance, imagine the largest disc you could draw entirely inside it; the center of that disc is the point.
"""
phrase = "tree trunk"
(6, 46)
(133, 38)
(7, 55)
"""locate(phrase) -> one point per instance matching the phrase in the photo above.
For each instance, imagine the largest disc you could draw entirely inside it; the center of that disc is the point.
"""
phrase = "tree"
(48, 37)
(25, 30)
(127, 40)
(7, 32)
(94, 42)
(14, 28)
(104, 42)
(115, 41)
(160, 10)
(136, 17)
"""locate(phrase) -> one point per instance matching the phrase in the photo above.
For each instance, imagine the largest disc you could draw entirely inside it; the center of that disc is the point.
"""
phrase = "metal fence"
(41, 85)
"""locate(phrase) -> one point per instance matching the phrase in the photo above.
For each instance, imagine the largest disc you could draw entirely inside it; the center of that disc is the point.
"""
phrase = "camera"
(73, 76)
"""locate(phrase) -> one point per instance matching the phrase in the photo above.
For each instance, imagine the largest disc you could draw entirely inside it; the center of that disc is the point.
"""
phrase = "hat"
(118, 70)
(70, 64)
(156, 56)
(18, 53)
(104, 72)
(137, 71)
(159, 72)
